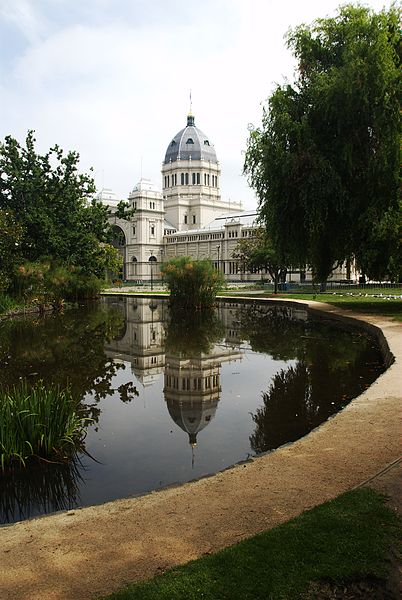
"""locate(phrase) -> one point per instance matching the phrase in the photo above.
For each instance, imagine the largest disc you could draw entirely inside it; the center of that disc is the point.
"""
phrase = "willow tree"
(324, 163)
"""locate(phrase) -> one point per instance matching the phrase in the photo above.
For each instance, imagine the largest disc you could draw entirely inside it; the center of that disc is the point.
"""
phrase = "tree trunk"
(323, 286)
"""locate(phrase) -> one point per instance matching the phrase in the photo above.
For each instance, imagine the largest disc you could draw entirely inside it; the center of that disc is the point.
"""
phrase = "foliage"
(341, 541)
(47, 283)
(192, 283)
(257, 252)
(122, 211)
(39, 421)
(325, 163)
(51, 203)
(10, 246)
(66, 349)
(6, 303)
(44, 487)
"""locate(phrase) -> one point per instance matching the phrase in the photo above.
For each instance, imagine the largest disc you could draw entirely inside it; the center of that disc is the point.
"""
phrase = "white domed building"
(187, 218)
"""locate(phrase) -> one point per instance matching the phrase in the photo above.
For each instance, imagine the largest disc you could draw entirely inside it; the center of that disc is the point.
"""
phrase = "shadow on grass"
(343, 540)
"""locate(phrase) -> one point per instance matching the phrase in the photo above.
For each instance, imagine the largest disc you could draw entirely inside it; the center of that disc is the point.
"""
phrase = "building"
(188, 217)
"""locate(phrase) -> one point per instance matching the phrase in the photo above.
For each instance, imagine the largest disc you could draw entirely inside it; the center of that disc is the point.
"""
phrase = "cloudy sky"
(111, 78)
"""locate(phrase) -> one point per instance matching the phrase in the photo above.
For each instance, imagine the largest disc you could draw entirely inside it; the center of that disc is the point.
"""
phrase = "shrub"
(39, 421)
(45, 283)
(192, 283)
(6, 303)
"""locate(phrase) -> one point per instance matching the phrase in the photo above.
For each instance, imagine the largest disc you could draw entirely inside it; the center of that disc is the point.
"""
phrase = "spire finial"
(190, 116)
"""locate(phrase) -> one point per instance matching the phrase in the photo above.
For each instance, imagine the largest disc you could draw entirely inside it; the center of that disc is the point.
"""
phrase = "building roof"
(108, 197)
(145, 185)
(190, 144)
(246, 219)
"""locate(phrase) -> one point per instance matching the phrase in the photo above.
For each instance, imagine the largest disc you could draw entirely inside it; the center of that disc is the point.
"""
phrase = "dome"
(145, 185)
(190, 143)
(108, 197)
(192, 415)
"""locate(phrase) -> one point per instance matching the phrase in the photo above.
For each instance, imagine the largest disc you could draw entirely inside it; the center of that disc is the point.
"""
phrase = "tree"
(10, 246)
(257, 252)
(54, 205)
(325, 162)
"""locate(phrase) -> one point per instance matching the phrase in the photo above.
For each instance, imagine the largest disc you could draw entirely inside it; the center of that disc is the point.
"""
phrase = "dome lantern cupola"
(190, 143)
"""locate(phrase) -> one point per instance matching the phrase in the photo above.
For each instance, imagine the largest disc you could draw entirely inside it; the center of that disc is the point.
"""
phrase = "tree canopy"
(53, 204)
(324, 163)
(257, 252)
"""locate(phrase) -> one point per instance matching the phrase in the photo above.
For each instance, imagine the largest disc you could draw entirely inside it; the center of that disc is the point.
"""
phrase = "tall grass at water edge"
(39, 421)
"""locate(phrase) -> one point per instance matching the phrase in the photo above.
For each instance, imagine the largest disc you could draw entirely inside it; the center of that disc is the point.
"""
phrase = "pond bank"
(89, 552)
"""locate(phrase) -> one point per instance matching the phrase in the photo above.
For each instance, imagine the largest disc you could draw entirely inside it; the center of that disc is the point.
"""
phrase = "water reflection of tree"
(303, 396)
(313, 340)
(335, 363)
(43, 488)
(288, 410)
(189, 335)
(65, 349)
(270, 329)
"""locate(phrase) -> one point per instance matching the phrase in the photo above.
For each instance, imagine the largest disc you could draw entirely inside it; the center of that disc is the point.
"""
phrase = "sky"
(111, 79)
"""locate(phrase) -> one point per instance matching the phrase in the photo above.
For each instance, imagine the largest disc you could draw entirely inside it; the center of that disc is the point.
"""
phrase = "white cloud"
(112, 79)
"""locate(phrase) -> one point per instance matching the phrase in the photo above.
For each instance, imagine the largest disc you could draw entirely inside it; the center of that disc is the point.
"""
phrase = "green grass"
(341, 541)
(38, 421)
(6, 303)
(365, 304)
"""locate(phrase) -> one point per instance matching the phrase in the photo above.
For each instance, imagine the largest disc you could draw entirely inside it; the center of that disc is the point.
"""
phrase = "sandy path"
(86, 553)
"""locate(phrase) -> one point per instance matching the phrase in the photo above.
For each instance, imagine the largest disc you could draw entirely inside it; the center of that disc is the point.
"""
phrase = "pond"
(173, 397)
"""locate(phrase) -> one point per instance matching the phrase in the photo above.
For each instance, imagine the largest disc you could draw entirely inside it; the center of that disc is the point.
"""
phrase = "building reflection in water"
(188, 349)
(191, 349)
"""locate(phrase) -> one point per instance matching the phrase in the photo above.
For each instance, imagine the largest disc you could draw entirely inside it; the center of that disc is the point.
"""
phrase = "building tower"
(191, 179)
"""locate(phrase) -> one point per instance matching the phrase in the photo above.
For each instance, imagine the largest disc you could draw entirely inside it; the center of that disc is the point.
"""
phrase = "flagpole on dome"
(190, 116)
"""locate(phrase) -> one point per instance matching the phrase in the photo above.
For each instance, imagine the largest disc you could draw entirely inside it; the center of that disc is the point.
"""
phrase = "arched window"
(152, 258)
(190, 141)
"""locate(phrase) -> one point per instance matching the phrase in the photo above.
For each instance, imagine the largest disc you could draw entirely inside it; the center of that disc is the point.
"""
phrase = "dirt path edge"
(88, 553)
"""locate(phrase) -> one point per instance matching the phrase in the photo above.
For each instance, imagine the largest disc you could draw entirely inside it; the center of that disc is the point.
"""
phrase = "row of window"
(190, 178)
(152, 205)
(232, 234)
(186, 238)
(195, 383)
(186, 219)
(151, 230)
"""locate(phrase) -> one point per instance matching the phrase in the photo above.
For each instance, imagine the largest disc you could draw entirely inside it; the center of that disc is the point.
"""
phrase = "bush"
(6, 303)
(192, 283)
(45, 283)
(39, 421)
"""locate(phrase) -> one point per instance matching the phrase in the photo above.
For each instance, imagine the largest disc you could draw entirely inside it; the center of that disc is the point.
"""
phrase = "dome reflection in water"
(173, 396)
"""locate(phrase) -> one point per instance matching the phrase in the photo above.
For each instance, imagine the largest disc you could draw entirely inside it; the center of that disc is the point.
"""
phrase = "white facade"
(188, 218)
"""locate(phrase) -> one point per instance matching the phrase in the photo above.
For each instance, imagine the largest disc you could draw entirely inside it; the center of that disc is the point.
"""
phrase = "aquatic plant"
(41, 422)
(192, 283)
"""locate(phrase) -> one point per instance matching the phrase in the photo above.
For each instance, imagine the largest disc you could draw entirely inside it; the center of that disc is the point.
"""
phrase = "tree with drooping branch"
(325, 162)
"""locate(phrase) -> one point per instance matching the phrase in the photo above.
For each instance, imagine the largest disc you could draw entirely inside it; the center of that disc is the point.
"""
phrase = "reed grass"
(39, 421)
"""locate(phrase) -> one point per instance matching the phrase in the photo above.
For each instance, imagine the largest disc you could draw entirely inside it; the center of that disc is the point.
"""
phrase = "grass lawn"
(344, 541)
(389, 307)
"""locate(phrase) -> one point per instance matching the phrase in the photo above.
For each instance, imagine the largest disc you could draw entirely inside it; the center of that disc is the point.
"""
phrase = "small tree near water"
(192, 283)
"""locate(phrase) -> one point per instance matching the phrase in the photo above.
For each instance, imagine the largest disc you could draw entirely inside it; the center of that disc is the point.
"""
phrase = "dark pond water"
(173, 396)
